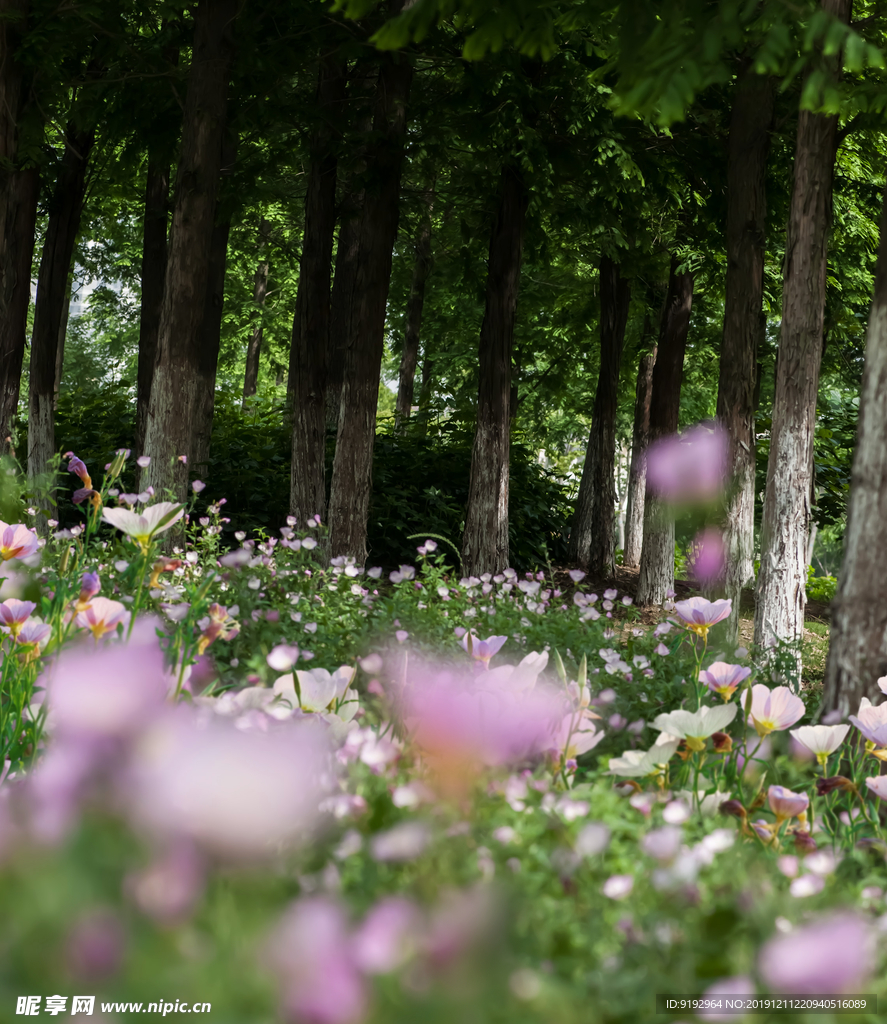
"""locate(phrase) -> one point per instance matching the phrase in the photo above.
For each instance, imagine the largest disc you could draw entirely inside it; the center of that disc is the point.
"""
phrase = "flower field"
(322, 793)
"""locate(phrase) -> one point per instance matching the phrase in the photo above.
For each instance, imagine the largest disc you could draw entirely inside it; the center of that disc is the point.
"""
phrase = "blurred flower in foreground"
(834, 955)
(459, 726)
(707, 556)
(234, 792)
(689, 467)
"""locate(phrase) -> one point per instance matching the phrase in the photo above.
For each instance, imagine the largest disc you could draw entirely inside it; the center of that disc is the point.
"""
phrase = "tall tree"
(260, 291)
(409, 359)
(63, 225)
(361, 86)
(178, 405)
(593, 540)
(153, 274)
(637, 474)
(657, 552)
(781, 594)
(744, 318)
(857, 655)
(353, 464)
(311, 324)
(19, 187)
(485, 541)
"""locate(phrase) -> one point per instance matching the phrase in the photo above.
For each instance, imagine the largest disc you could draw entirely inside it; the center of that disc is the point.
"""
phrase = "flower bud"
(733, 808)
(804, 842)
(723, 743)
(829, 785)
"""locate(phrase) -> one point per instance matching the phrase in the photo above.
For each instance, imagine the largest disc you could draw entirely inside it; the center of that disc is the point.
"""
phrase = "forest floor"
(816, 619)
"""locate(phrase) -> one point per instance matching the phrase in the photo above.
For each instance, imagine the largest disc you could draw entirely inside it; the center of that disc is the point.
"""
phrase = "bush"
(420, 484)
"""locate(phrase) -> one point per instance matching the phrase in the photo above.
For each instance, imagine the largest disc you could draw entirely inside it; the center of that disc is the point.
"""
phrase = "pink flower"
(871, 720)
(689, 467)
(17, 541)
(878, 785)
(699, 614)
(834, 955)
(722, 678)
(739, 986)
(102, 616)
(786, 804)
(14, 614)
(774, 710)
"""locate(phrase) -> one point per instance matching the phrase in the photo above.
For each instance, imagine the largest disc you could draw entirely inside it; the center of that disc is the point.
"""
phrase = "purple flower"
(834, 955)
(78, 468)
(690, 467)
(576, 575)
(197, 486)
(482, 650)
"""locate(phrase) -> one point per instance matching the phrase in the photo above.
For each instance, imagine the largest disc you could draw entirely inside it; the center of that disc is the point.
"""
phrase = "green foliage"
(820, 588)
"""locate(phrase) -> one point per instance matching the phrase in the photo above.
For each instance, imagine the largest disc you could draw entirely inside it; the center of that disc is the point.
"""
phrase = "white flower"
(821, 740)
(142, 526)
(318, 688)
(696, 726)
(635, 764)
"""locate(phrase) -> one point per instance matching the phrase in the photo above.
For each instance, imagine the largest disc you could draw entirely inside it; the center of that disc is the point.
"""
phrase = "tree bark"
(657, 551)
(154, 256)
(485, 541)
(66, 207)
(857, 655)
(178, 403)
(637, 479)
(592, 539)
(749, 148)
(260, 290)
(19, 188)
(410, 358)
(342, 300)
(353, 464)
(311, 325)
(781, 596)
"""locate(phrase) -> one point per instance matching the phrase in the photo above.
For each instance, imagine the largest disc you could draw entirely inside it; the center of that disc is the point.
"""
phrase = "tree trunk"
(214, 308)
(485, 542)
(353, 465)
(657, 551)
(66, 207)
(781, 595)
(857, 655)
(637, 479)
(311, 325)
(18, 212)
(178, 403)
(260, 289)
(342, 300)
(154, 256)
(60, 350)
(410, 358)
(743, 319)
(592, 540)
